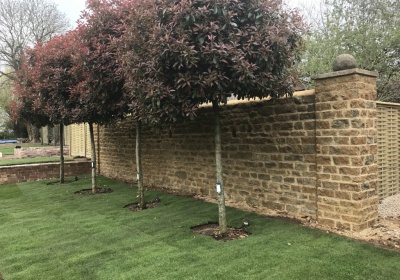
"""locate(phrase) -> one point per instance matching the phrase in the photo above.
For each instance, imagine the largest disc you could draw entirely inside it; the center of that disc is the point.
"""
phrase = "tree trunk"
(33, 133)
(62, 179)
(94, 183)
(98, 150)
(139, 164)
(218, 161)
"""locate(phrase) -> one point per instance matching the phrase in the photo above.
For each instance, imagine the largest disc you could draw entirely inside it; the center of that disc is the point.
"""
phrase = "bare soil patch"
(148, 205)
(212, 229)
(385, 233)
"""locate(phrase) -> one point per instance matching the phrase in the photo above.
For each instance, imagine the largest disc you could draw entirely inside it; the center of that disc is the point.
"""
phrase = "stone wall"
(34, 172)
(311, 154)
(42, 151)
(268, 154)
(346, 149)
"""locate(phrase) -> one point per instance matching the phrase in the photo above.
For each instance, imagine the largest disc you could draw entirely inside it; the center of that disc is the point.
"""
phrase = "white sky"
(73, 8)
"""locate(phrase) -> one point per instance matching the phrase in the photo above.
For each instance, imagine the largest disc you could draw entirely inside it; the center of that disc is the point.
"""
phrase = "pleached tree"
(143, 106)
(202, 51)
(100, 89)
(44, 86)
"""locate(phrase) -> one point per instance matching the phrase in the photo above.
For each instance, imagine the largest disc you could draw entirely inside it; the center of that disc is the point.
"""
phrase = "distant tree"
(14, 128)
(203, 51)
(367, 29)
(5, 93)
(5, 100)
(100, 89)
(22, 24)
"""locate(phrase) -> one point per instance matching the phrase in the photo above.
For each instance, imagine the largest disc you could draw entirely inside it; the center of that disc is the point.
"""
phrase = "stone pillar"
(346, 149)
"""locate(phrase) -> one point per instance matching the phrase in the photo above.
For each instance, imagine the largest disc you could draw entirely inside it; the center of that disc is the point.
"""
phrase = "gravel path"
(390, 207)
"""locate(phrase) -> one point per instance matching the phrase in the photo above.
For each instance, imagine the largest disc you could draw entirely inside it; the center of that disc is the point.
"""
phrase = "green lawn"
(18, 161)
(48, 232)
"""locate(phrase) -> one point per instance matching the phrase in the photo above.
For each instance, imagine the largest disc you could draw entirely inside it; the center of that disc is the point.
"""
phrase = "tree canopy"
(367, 29)
(101, 90)
(203, 51)
(185, 53)
(49, 69)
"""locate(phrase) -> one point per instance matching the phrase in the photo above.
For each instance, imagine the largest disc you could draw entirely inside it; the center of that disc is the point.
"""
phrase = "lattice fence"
(388, 125)
(80, 140)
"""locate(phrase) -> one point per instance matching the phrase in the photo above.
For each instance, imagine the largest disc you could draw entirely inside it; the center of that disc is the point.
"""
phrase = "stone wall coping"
(39, 164)
(388, 104)
(345, 73)
(234, 102)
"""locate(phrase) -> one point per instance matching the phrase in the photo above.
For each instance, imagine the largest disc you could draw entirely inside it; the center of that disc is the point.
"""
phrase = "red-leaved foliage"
(184, 53)
(100, 89)
(46, 81)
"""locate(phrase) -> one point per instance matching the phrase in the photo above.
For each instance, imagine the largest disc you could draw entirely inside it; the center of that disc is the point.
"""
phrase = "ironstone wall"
(43, 151)
(311, 154)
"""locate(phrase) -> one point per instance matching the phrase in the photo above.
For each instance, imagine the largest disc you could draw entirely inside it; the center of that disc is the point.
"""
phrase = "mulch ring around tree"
(148, 205)
(212, 229)
(89, 191)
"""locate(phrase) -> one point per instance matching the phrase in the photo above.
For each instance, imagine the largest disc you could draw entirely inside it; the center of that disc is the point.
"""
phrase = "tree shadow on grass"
(66, 181)
(90, 192)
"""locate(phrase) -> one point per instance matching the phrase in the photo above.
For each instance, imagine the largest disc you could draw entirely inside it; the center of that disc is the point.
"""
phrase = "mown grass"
(48, 232)
(19, 161)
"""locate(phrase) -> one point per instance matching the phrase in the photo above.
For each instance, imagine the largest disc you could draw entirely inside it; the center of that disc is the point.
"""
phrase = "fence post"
(346, 148)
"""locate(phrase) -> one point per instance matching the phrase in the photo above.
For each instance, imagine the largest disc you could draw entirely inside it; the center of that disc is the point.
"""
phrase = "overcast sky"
(73, 8)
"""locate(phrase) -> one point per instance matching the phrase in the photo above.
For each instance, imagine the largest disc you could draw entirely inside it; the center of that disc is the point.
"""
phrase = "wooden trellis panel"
(388, 125)
(80, 140)
(88, 146)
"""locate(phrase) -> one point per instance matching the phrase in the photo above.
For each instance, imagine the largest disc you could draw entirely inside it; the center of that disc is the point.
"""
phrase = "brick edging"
(34, 172)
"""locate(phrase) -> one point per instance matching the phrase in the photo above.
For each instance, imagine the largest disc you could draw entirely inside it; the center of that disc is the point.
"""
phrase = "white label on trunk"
(137, 176)
(218, 187)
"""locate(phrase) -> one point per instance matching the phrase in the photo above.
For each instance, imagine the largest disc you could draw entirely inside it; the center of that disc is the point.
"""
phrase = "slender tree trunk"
(139, 164)
(98, 150)
(94, 183)
(33, 133)
(62, 179)
(218, 161)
